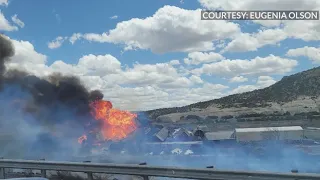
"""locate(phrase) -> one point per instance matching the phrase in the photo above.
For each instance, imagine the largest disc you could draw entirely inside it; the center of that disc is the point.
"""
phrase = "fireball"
(116, 124)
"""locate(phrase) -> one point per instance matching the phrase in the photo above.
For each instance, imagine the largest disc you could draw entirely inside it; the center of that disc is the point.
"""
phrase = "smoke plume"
(42, 114)
(6, 51)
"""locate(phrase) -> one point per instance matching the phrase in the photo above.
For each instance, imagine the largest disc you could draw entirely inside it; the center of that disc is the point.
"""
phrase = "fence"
(148, 171)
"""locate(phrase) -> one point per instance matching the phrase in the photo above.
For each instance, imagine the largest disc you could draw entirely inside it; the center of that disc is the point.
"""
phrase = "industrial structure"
(269, 133)
(220, 135)
(164, 140)
(196, 141)
(202, 133)
(312, 133)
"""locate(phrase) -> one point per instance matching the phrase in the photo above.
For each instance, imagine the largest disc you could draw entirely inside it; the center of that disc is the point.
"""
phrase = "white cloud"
(25, 53)
(108, 68)
(58, 18)
(28, 59)
(172, 83)
(266, 65)
(56, 43)
(90, 66)
(238, 79)
(196, 79)
(162, 75)
(170, 29)
(17, 21)
(265, 81)
(305, 30)
(5, 25)
(144, 86)
(251, 42)
(114, 17)
(4, 3)
(244, 88)
(201, 57)
(174, 62)
(148, 97)
(100, 65)
(75, 37)
(262, 82)
(311, 52)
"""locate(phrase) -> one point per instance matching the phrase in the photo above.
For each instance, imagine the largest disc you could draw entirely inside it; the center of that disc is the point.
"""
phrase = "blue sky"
(148, 54)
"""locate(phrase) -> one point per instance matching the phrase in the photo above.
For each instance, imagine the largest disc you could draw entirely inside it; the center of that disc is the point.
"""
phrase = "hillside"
(294, 94)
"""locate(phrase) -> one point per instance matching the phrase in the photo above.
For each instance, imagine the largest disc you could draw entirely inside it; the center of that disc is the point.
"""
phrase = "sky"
(147, 54)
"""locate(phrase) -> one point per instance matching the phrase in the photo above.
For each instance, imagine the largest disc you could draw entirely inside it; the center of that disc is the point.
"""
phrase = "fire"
(100, 109)
(116, 124)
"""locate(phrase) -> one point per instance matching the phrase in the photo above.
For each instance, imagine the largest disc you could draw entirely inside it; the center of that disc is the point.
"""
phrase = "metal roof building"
(180, 131)
(312, 133)
(269, 133)
(200, 131)
(203, 128)
(220, 135)
(163, 134)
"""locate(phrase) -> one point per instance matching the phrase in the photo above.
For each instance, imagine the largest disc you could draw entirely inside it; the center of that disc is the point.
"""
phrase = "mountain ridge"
(289, 88)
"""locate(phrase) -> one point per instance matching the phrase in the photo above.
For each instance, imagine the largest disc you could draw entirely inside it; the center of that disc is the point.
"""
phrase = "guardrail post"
(43, 171)
(89, 174)
(144, 177)
(2, 173)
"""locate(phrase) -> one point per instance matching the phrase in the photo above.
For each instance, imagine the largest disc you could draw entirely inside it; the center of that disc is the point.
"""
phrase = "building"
(163, 134)
(199, 131)
(312, 133)
(220, 135)
(269, 133)
(181, 134)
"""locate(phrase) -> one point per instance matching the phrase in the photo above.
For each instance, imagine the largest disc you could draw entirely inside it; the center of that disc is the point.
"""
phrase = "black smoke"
(6, 50)
(40, 113)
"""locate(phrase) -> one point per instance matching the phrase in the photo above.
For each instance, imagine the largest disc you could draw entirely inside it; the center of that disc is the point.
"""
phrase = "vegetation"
(212, 117)
(190, 117)
(306, 83)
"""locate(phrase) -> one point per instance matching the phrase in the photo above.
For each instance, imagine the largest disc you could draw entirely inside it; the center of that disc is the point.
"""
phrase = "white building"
(312, 133)
(269, 133)
(220, 135)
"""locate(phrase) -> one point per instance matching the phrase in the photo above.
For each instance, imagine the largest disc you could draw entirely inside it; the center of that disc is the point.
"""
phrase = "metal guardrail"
(147, 171)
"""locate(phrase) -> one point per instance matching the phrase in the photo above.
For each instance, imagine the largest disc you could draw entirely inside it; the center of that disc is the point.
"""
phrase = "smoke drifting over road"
(43, 117)
(40, 114)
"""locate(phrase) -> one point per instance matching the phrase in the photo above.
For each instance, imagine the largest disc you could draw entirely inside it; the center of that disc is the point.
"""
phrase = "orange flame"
(116, 124)
(100, 109)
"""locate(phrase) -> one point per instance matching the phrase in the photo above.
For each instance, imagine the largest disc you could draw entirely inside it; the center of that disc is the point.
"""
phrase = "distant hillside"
(289, 88)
